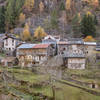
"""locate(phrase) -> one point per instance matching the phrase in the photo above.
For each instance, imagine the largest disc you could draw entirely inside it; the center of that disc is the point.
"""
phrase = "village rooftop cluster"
(75, 52)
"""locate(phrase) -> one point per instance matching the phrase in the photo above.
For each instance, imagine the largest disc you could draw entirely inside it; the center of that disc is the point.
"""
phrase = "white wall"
(10, 44)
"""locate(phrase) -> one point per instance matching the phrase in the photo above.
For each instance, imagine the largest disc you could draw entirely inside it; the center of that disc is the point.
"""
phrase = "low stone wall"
(85, 89)
(87, 84)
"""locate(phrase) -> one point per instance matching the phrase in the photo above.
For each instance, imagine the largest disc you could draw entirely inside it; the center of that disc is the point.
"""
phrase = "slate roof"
(75, 41)
(90, 43)
(26, 46)
(10, 36)
(98, 46)
(74, 55)
(1, 35)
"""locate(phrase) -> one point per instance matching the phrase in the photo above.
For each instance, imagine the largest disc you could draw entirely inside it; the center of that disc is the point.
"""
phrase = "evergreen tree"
(54, 19)
(2, 19)
(10, 14)
(13, 10)
(62, 6)
(88, 25)
(76, 25)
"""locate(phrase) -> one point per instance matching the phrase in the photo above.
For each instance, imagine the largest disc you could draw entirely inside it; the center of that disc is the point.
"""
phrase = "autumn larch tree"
(89, 39)
(41, 6)
(39, 33)
(21, 17)
(26, 33)
(29, 4)
(68, 4)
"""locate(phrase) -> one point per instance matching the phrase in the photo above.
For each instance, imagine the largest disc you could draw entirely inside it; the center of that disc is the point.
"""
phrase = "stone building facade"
(29, 54)
(76, 63)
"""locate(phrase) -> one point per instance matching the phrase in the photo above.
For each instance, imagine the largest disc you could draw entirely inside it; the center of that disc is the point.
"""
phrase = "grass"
(89, 72)
(90, 75)
(26, 75)
(2, 55)
(62, 91)
(66, 92)
(32, 78)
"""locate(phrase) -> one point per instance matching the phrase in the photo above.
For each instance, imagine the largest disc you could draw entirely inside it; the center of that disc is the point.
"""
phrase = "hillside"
(62, 17)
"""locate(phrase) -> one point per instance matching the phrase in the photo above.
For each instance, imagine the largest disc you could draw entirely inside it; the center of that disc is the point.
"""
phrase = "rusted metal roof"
(39, 46)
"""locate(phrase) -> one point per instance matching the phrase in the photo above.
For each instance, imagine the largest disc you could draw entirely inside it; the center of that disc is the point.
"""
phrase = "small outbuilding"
(75, 61)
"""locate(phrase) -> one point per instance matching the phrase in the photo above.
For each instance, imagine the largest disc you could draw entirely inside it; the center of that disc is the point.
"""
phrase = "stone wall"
(76, 63)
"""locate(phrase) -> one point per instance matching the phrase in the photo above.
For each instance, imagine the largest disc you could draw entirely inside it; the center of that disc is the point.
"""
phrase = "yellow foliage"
(79, 16)
(39, 33)
(17, 36)
(41, 6)
(26, 33)
(29, 4)
(68, 4)
(96, 2)
(89, 39)
(89, 13)
(93, 2)
(22, 17)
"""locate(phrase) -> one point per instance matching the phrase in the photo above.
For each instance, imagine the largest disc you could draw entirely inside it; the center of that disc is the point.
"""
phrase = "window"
(9, 49)
(6, 42)
(12, 41)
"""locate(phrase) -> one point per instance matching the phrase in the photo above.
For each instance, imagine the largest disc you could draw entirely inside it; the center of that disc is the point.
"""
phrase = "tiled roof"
(41, 46)
(74, 55)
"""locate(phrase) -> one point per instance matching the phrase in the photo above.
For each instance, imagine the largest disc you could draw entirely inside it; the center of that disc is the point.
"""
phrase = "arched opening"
(93, 85)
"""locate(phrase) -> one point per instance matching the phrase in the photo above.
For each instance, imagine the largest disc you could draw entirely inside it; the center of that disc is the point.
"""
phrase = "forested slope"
(69, 18)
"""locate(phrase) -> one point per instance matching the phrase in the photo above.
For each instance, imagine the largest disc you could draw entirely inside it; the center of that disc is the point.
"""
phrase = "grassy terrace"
(62, 91)
(92, 75)
(66, 92)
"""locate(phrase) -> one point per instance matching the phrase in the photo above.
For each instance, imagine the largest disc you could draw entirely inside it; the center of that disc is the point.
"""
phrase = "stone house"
(49, 39)
(30, 54)
(75, 60)
(61, 46)
(9, 61)
(2, 36)
(90, 48)
(76, 45)
(90, 53)
(10, 43)
(72, 45)
(97, 50)
(73, 53)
